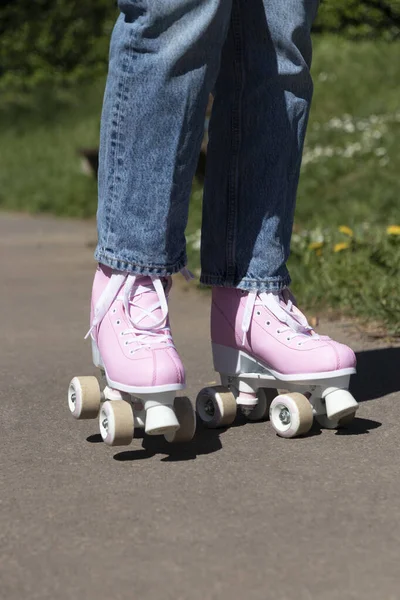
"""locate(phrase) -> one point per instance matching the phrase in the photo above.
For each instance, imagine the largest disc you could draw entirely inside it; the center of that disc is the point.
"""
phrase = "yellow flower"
(316, 245)
(346, 230)
(393, 230)
(340, 247)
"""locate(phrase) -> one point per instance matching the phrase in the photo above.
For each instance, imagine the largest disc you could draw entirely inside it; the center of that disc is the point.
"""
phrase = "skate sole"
(129, 389)
(238, 363)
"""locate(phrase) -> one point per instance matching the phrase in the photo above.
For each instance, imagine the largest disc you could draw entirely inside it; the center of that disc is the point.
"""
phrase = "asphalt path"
(237, 514)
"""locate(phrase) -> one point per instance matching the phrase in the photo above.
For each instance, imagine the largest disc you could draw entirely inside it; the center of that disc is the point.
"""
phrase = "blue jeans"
(166, 57)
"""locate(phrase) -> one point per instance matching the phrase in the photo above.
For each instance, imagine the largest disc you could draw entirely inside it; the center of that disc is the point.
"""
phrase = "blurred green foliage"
(360, 18)
(57, 41)
(65, 41)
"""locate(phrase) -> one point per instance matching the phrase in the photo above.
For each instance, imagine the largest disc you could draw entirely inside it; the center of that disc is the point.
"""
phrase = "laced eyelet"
(131, 352)
(299, 343)
(288, 339)
(126, 342)
(278, 331)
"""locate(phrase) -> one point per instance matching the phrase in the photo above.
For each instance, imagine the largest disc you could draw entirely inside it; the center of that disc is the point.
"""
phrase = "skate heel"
(160, 416)
(226, 360)
(339, 403)
(231, 361)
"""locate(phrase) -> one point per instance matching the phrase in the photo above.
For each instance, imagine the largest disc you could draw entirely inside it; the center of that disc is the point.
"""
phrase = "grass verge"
(349, 176)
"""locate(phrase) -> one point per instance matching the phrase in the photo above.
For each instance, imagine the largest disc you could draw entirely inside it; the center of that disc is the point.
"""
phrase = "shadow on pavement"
(95, 439)
(377, 374)
(205, 441)
(359, 427)
(131, 455)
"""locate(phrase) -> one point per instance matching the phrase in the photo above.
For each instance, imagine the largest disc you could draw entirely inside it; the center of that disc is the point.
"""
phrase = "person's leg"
(163, 63)
(257, 130)
(164, 60)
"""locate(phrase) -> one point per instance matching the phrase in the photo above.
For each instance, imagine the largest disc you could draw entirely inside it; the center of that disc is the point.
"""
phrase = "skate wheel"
(291, 415)
(261, 411)
(84, 397)
(327, 423)
(116, 423)
(216, 406)
(186, 416)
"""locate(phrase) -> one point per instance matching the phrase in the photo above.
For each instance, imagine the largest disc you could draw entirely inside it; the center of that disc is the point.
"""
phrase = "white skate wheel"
(291, 415)
(187, 421)
(116, 423)
(327, 423)
(84, 397)
(264, 398)
(216, 406)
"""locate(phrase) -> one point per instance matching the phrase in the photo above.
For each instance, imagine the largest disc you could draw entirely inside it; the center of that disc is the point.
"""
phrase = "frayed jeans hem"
(273, 284)
(121, 264)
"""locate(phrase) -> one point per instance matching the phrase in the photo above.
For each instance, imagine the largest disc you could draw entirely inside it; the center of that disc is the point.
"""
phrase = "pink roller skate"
(133, 347)
(261, 342)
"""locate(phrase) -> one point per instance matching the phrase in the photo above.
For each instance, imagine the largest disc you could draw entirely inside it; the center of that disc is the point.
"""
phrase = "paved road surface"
(239, 514)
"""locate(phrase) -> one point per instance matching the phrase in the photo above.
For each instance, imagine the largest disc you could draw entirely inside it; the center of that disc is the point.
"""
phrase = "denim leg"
(262, 101)
(164, 60)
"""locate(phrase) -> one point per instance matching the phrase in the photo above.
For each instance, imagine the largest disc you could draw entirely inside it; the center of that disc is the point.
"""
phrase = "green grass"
(40, 169)
(350, 175)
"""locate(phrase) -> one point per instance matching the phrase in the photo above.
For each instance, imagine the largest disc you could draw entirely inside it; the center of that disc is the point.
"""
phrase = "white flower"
(296, 238)
(366, 135)
(349, 127)
(362, 125)
(194, 240)
(352, 149)
(334, 123)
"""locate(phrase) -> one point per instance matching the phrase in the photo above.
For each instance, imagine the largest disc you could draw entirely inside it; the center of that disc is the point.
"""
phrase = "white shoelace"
(142, 335)
(294, 323)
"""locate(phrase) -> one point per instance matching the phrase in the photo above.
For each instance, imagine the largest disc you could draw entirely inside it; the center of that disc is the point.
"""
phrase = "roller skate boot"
(262, 343)
(133, 347)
